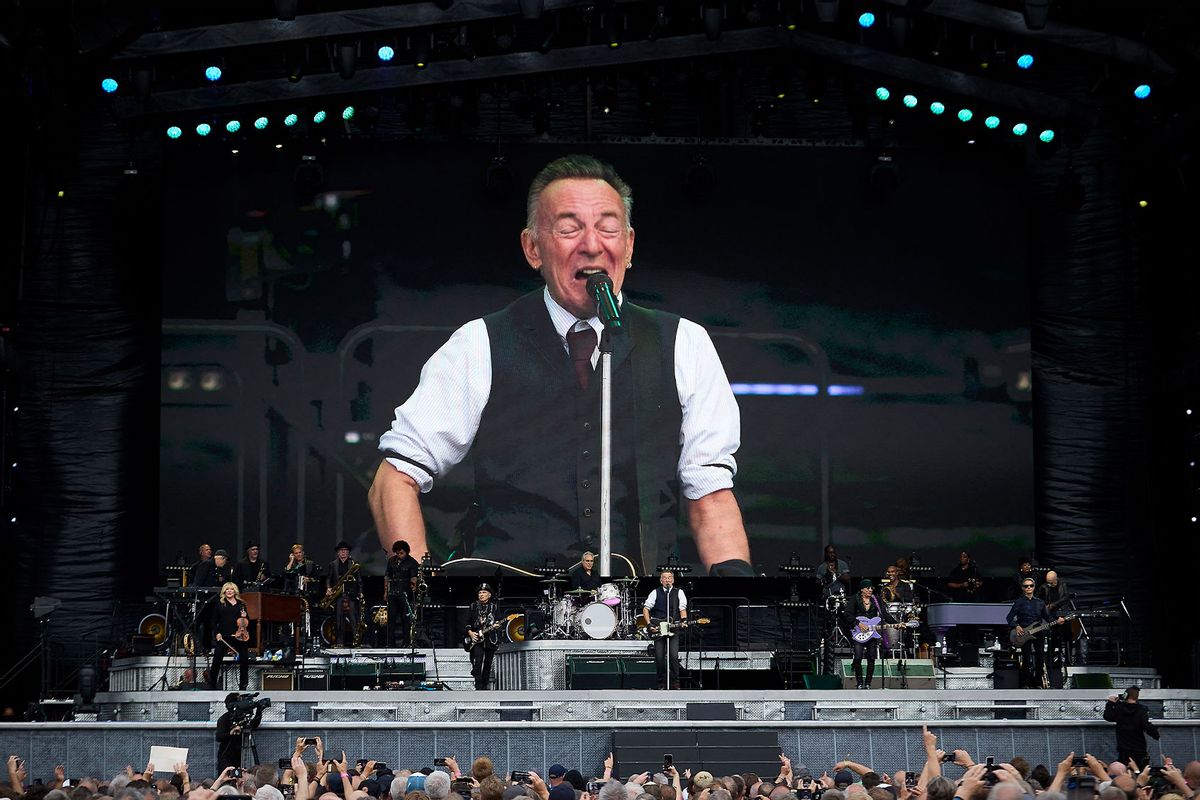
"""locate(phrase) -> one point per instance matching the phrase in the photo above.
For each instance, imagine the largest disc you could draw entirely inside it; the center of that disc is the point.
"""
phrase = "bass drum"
(596, 621)
(515, 629)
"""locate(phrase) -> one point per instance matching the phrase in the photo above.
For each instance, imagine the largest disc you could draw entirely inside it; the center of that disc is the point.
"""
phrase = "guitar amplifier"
(314, 678)
(278, 681)
(594, 672)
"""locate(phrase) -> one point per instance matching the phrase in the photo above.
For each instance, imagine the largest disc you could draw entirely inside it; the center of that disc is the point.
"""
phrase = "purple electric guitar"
(873, 625)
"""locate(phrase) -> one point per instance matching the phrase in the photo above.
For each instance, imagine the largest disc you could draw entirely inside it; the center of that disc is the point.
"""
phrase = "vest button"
(587, 454)
(587, 426)
(585, 483)
(587, 512)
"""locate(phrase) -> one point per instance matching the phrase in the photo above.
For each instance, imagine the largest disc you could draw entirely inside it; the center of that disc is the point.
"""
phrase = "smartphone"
(668, 760)
(288, 789)
(520, 776)
(948, 758)
(1079, 761)
(593, 787)
(310, 742)
(285, 763)
(236, 772)
(329, 767)
(910, 780)
(991, 762)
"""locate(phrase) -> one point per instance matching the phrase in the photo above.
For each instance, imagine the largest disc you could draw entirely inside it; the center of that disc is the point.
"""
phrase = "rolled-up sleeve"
(710, 433)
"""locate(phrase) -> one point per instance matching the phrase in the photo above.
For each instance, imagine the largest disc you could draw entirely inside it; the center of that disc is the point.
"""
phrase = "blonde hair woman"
(232, 626)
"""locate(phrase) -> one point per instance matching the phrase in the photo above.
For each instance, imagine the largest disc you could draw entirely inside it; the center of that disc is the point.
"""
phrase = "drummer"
(585, 576)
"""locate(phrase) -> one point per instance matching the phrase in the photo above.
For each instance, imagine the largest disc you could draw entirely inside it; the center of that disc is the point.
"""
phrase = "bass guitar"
(655, 629)
(469, 643)
(873, 625)
(1019, 639)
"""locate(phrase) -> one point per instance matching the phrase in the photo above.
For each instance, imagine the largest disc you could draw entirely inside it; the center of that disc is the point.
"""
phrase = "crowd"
(315, 777)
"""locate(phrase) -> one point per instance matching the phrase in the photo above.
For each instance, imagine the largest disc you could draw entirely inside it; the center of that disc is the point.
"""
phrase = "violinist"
(232, 636)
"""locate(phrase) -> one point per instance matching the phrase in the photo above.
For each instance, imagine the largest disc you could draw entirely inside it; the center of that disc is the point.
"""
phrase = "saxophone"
(361, 630)
(328, 600)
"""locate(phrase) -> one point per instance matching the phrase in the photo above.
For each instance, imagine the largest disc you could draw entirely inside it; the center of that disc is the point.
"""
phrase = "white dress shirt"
(652, 598)
(437, 424)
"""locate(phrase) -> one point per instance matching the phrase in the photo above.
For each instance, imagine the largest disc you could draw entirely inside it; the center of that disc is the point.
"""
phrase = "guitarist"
(1054, 592)
(1026, 611)
(666, 604)
(482, 614)
(865, 604)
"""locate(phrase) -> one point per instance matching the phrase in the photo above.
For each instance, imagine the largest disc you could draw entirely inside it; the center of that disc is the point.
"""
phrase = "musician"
(584, 576)
(895, 589)
(866, 605)
(206, 554)
(665, 604)
(833, 569)
(964, 581)
(1054, 593)
(1026, 611)
(229, 638)
(399, 583)
(1024, 570)
(297, 567)
(251, 569)
(348, 611)
(481, 615)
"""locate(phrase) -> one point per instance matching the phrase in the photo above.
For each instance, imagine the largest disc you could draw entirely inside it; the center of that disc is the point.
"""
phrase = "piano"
(941, 617)
(263, 607)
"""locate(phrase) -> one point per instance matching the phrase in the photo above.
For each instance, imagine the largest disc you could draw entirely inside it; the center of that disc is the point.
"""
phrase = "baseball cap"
(556, 771)
(843, 779)
(564, 791)
(702, 779)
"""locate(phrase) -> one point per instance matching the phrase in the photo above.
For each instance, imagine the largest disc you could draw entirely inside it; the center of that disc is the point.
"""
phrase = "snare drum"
(597, 621)
(609, 594)
(561, 612)
(895, 609)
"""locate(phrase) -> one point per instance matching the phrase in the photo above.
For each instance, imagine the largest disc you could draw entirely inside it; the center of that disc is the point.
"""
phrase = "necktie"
(581, 343)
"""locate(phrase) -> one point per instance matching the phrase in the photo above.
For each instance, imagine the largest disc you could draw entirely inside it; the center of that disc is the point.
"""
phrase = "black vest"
(659, 610)
(537, 451)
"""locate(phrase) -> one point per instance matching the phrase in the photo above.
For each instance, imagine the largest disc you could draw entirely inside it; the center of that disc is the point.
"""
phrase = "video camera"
(245, 707)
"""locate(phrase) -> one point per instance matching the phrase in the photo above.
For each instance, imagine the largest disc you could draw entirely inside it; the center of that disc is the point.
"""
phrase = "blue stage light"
(882, 93)
(1025, 61)
(386, 53)
(992, 122)
(1020, 129)
(290, 120)
(319, 117)
(109, 85)
(261, 123)
(174, 132)
(203, 129)
(348, 112)
(866, 19)
(233, 126)
(910, 101)
(937, 108)
(965, 114)
(1046, 136)
(1142, 91)
(213, 73)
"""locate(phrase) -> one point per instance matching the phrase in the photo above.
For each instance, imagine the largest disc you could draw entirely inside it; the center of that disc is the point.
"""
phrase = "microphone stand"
(606, 452)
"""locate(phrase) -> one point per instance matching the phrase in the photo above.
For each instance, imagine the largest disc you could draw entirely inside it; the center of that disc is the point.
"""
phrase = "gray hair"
(399, 787)
(128, 794)
(437, 785)
(1007, 790)
(575, 166)
(940, 788)
(833, 794)
(1112, 793)
(227, 789)
(268, 793)
(1048, 795)
(612, 790)
(57, 794)
(119, 782)
(720, 794)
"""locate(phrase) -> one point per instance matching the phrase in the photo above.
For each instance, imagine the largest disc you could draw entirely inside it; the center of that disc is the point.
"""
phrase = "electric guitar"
(873, 626)
(1019, 639)
(469, 643)
(654, 629)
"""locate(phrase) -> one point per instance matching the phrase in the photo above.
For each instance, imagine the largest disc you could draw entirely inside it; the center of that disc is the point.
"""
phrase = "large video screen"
(872, 316)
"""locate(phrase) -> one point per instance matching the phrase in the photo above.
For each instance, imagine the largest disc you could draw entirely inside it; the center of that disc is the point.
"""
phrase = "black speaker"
(142, 645)
(712, 711)
(1091, 680)
(1006, 677)
(593, 672)
(822, 682)
(638, 672)
(968, 656)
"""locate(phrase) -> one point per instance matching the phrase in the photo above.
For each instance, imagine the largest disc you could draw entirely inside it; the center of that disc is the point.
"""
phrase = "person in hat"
(555, 775)
(251, 569)
(857, 618)
(399, 585)
(349, 601)
(482, 634)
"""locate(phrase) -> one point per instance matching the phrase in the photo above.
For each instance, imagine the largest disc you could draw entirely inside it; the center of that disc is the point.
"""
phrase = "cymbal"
(579, 591)
(553, 580)
(907, 580)
(627, 579)
(885, 580)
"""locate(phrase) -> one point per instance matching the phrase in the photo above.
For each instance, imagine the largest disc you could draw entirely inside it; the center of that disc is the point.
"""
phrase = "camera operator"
(1133, 724)
(243, 712)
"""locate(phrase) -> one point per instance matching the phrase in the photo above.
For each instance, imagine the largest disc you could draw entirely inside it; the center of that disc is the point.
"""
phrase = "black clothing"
(964, 575)
(899, 593)
(197, 569)
(537, 450)
(338, 568)
(666, 604)
(400, 575)
(480, 616)
(1014, 588)
(246, 572)
(225, 617)
(579, 579)
(348, 610)
(209, 574)
(870, 648)
(291, 574)
(229, 750)
(1133, 724)
(1057, 603)
(1033, 653)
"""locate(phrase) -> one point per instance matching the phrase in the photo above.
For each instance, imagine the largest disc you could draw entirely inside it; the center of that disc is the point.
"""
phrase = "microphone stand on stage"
(600, 288)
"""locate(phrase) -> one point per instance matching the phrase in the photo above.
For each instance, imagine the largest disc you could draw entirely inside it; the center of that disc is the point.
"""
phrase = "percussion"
(608, 594)
(379, 615)
(561, 612)
(514, 631)
(154, 625)
(597, 621)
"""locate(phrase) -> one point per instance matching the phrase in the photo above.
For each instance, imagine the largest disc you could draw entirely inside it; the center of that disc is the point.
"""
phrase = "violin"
(243, 629)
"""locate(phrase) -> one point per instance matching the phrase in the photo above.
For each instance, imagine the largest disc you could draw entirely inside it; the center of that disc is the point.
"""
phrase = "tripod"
(248, 745)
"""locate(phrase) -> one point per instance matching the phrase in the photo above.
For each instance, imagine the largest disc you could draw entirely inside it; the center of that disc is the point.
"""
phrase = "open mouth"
(584, 273)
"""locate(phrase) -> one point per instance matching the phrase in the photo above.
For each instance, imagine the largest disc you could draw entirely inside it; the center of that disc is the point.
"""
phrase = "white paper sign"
(165, 758)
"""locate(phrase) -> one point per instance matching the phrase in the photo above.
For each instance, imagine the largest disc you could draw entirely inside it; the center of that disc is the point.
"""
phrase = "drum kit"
(606, 612)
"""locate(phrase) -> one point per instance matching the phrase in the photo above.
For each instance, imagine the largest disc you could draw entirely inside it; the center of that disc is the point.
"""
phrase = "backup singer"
(1026, 611)
(399, 583)
(665, 604)
(964, 581)
(482, 615)
(228, 611)
(348, 613)
(865, 604)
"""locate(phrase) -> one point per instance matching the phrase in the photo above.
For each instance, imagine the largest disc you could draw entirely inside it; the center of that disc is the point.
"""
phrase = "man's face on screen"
(581, 229)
